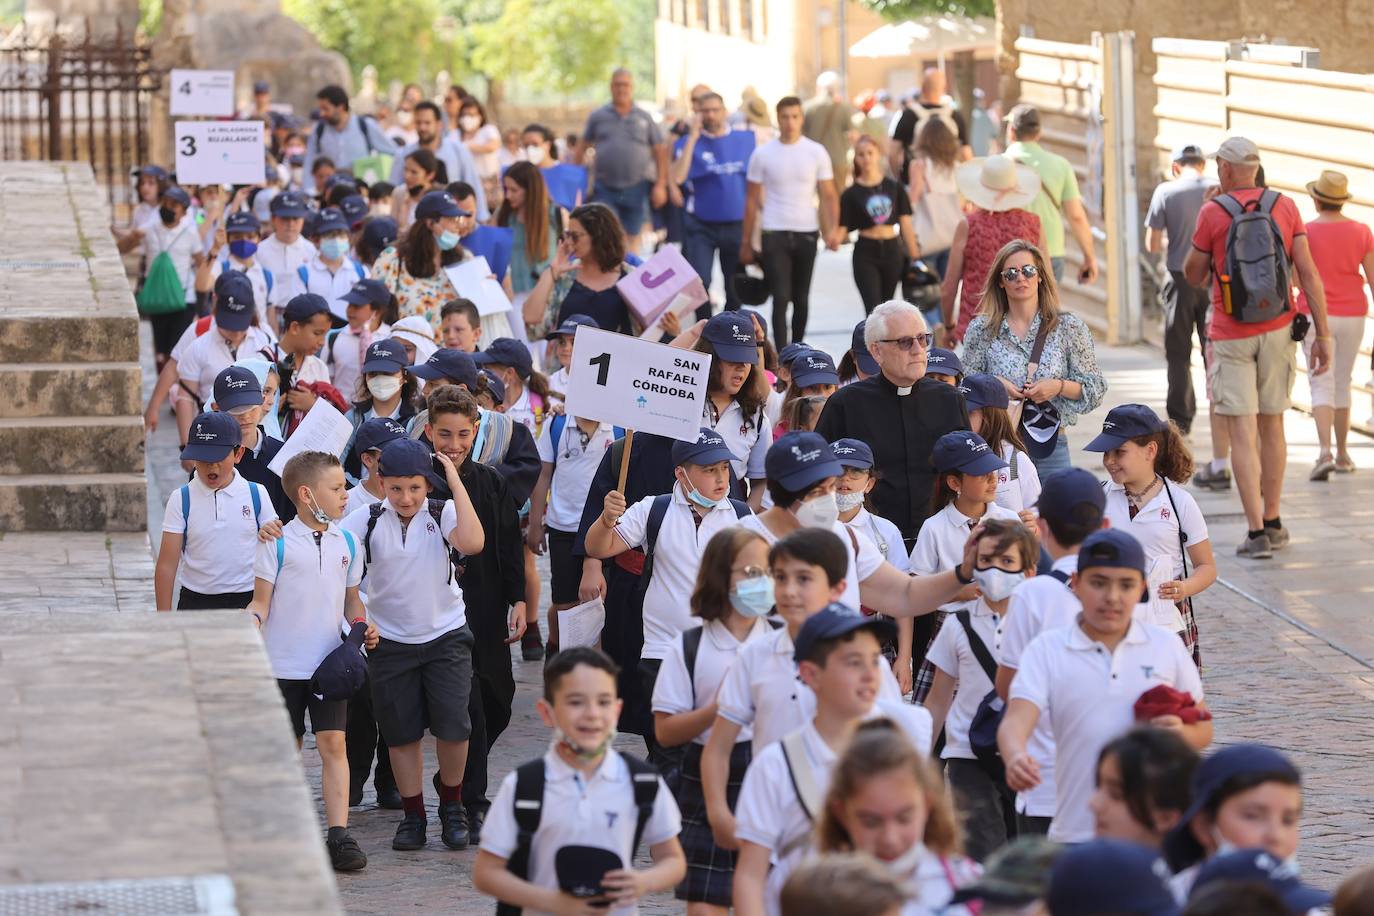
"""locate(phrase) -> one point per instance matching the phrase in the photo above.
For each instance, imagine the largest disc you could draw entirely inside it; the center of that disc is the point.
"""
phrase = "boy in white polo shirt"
(1070, 508)
(421, 670)
(839, 655)
(674, 530)
(584, 806)
(210, 526)
(306, 585)
(1086, 678)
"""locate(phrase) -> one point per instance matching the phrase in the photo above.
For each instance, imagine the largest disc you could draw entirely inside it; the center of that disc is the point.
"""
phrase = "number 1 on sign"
(603, 364)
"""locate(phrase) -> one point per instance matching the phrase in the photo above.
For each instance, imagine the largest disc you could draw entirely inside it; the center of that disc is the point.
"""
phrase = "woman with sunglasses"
(1020, 303)
(581, 280)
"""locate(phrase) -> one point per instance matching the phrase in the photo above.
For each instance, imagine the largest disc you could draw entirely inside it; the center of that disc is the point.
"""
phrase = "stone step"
(92, 337)
(73, 502)
(71, 445)
(74, 389)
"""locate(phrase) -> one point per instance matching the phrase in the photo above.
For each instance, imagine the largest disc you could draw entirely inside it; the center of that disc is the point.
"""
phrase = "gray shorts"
(424, 686)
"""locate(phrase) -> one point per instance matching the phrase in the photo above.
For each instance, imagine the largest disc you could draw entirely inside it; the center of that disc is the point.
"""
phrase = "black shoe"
(531, 649)
(388, 797)
(476, 818)
(410, 833)
(345, 855)
(453, 820)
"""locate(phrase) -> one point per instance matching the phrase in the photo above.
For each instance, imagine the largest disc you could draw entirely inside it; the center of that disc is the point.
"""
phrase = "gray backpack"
(1256, 277)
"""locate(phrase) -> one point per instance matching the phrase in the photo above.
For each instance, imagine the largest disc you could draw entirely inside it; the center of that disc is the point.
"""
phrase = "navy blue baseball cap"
(799, 460)
(339, 178)
(853, 453)
(450, 364)
(241, 222)
(1262, 867)
(790, 350)
(386, 355)
(408, 458)
(966, 452)
(342, 673)
(212, 437)
(380, 233)
(812, 367)
(355, 209)
(304, 307)
(1123, 424)
(262, 87)
(731, 336)
(707, 448)
(152, 171)
(178, 194)
(507, 351)
(1072, 496)
(1110, 876)
(580, 869)
(1111, 548)
(943, 362)
(570, 325)
(236, 387)
(494, 385)
(330, 219)
(1213, 772)
(983, 390)
(368, 292)
(862, 358)
(836, 620)
(376, 432)
(234, 309)
(289, 205)
(1040, 425)
(437, 205)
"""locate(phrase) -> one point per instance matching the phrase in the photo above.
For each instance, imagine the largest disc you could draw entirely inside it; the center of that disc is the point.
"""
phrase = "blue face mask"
(753, 597)
(243, 249)
(695, 496)
(448, 240)
(334, 248)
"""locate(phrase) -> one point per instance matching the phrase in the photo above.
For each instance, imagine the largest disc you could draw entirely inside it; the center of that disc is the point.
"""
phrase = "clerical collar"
(903, 392)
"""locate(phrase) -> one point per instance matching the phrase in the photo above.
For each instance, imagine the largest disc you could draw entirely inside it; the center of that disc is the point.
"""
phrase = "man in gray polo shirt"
(341, 135)
(631, 157)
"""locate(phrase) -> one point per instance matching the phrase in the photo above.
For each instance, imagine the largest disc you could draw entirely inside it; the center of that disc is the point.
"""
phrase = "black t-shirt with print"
(863, 207)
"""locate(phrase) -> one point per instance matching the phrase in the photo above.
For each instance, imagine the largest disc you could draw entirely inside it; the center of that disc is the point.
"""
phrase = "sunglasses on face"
(907, 344)
(1012, 274)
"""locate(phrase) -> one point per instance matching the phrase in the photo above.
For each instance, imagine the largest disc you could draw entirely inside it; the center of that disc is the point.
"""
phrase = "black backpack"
(456, 560)
(655, 521)
(691, 646)
(529, 807)
(1257, 274)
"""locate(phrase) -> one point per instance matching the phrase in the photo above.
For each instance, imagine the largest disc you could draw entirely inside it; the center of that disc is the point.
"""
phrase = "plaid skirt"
(1189, 632)
(925, 674)
(710, 869)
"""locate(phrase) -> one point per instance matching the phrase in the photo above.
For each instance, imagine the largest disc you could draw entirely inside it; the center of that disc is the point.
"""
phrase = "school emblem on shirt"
(611, 818)
(247, 512)
(1147, 670)
(1164, 514)
(343, 562)
(429, 526)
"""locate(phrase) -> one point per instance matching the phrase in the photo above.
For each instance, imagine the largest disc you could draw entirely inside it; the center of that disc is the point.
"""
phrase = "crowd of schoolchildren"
(1045, 751)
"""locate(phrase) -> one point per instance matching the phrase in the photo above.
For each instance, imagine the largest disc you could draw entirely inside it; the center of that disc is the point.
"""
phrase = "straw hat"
(756, 112)
(997, 183)
(1331, 188)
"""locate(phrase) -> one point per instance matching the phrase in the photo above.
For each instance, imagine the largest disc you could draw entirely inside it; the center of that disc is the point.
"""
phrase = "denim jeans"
(630, 204)
(788, 260)
(1057, 460)
(702, 243)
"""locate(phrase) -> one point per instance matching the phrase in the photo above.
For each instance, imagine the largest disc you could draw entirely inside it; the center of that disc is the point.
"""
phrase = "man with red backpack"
(1254, 243)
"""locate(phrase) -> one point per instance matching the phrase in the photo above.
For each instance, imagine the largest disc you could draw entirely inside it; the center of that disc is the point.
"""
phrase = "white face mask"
(384, 387)
(821, 512)
(847, 501)
(469, 122)
(535, 154)
(997, 584)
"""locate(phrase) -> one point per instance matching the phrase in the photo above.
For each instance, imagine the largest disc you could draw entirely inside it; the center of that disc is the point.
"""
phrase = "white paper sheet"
(581, 625)
(682, 306)
(324, 429)
(473, 280)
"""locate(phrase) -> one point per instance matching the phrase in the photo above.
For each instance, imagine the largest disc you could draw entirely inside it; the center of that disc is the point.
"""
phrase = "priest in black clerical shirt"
(899, 413)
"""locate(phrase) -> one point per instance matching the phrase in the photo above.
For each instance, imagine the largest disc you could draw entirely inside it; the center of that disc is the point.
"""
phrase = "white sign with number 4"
(202, 92)
(635, 384)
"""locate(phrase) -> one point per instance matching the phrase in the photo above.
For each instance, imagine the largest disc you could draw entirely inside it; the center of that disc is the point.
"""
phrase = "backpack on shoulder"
(982, 731)
(1256, 277)
(657, 511)
(456, 561)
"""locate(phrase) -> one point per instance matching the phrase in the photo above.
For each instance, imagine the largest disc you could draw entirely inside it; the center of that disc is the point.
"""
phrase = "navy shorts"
(422, 686)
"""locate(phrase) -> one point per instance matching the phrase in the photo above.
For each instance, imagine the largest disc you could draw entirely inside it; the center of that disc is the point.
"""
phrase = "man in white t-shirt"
(1086, 678)
(784, 176)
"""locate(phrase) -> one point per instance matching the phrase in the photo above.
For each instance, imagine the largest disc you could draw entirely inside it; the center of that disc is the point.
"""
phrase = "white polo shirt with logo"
(209, 355)
(747, 438)
(940, 543)
(575, 463)
(221, 537)
(1088, 695)
(953, 654)
(1156, 526)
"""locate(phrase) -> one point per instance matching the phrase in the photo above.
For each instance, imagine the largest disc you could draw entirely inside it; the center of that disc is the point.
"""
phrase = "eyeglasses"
(1011, 274)
(906, 344)
(751, 572)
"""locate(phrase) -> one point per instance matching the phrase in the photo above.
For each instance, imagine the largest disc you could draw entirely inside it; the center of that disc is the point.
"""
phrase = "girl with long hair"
(876, 207)
(534, 221)
(936, 209)
(421, 173)
(414, 268)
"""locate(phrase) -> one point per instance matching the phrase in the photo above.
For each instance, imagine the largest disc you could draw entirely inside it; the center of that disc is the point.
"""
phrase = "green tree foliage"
(898, 10)
(552, 45)
(399, 39)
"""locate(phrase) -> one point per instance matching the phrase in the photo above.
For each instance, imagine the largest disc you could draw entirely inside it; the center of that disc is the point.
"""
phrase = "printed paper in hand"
(473, 280)
(681, 306)
(324, 429)
(581, 625)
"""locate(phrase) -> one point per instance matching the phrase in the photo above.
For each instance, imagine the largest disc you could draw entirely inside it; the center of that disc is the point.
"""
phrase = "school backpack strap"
(255, 494)
(808, 792)
(304, 273)
(1059, 574)
(657, 511)
(360, 270)
(281, 553)
(556, 434)
(374, 512)
(1178, 520)
(529, 808)
(975, 642)
(352, 545)
(185, 491)
(982, 731)
(741, 508)
(267, 278)
(691, 645)
(455, 559)
(644, 777)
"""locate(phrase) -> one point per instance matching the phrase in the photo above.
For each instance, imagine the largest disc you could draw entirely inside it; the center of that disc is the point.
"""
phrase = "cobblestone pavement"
(1287, 658)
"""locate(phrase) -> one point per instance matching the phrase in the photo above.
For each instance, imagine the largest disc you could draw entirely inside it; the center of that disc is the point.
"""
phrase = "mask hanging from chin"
(583, 753)
(847, 501)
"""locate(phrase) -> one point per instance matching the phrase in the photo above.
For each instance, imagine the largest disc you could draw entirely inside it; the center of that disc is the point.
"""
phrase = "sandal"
(1345, 466)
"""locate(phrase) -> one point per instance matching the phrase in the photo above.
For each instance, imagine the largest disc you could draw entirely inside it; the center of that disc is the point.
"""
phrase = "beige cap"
(1238, 150)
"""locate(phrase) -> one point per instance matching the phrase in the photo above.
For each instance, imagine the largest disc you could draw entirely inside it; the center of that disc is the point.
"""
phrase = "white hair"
(875, 328)
(828, 81)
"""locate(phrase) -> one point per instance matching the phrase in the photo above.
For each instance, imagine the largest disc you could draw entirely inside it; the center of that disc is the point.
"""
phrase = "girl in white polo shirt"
(1143, 453)
(965, 490)
(737, 395)
(734, 593)
(1018, 485)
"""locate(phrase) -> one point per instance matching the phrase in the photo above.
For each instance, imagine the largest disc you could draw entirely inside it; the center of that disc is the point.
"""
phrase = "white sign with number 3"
(202, 92)
(635, 384)
(221, 152)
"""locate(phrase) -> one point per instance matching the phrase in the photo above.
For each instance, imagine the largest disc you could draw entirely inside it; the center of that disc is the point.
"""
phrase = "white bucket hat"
(417, 330)
(997, 183)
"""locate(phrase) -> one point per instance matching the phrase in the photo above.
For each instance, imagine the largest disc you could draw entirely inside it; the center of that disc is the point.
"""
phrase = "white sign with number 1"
(221, 152)
(635, 384)
(202, 92)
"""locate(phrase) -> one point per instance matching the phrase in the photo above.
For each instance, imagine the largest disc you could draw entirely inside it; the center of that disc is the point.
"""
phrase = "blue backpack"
(304, 273)
(266, 274)
(348, 537)
(557, 424)
(185, 490)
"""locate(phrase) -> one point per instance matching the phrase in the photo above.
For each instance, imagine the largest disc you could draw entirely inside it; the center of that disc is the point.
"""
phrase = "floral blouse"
(1068, 355)
(415, 295)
